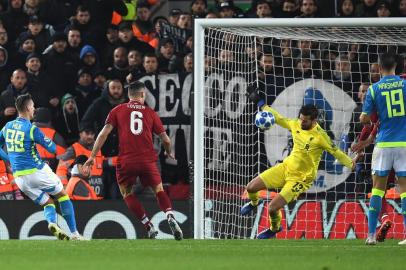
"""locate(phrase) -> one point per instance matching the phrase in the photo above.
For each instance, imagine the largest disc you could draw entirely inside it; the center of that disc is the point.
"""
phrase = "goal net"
(325, 62)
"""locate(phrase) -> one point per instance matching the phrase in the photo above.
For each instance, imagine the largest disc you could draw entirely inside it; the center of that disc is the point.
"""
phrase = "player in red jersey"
(366, 138)
(135, 123)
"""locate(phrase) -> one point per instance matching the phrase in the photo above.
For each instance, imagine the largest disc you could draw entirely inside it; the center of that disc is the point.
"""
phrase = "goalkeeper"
(298, 171)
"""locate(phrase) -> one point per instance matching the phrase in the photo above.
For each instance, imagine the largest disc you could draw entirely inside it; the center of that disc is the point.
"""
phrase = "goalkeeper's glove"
(256, 97)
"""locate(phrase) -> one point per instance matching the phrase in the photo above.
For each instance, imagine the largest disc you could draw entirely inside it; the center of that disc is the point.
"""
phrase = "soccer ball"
(264, 120)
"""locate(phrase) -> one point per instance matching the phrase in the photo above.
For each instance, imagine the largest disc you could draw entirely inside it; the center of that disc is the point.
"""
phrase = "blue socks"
(375, 205)
(403, 197)
(50, 213)
(68, 212)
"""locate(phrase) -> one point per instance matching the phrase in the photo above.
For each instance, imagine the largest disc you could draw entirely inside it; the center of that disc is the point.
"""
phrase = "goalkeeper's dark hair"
(388, 61)
(21, 102)
(135, 87)
(309, 110)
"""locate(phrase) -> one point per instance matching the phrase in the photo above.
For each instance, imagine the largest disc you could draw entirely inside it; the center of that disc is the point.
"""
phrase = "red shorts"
(147, 172)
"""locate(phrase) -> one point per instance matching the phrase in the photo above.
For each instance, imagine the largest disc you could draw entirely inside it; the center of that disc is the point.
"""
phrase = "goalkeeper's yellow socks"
(254, 198)
(375, 205)
(275, 221)
(403, 197)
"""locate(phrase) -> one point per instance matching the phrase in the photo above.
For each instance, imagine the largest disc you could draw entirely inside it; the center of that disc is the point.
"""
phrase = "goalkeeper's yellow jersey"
(308, 146)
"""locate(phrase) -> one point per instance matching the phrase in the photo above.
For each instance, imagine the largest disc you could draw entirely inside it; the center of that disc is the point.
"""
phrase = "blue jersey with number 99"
(388, 98)
(20, 137)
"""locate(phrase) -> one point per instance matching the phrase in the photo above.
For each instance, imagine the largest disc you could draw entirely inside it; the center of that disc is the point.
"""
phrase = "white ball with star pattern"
(264, 120)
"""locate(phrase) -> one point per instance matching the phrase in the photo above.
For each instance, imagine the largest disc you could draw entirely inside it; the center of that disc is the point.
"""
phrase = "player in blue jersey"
(388, 98)
(34, 177)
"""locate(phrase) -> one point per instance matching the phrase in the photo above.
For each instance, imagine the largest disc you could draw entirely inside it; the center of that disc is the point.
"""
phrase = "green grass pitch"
(201, 254)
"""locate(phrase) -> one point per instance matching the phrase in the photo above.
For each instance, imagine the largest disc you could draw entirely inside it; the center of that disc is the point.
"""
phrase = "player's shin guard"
(275, 220)
(50, 213)
(253, 197)
(375, 205)
(403, 197)
(68, 212)
(135, 207)
(164, 203)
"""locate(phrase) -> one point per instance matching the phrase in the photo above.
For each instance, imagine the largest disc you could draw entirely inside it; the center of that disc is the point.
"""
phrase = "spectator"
(110, 44)
(167, 58)
(74, 43)
(366, 9)
(227, 10)
(57, 12)
(198, 8)
(400, 8)
(89, 59)
(303, 69)
(83, 147)
(374, 75)
(42, 35)
(78, 187)
(67, 121)
(383, 9)
(61, 69)
(84, 92)
(43, 120)
(26, 46)
(99, 81)
(343, 77)
(5, 69)
(263, 9)
(135, 68)
(289, 9)
(143, 27)
(8, 189)
(37, 81)
(31, 7)
(188, 63)
(128, 41)
(185, 21)
(308, 9)
(174, 16)
(14, 19)
(17, 86)
(346, 8)
(150, 63)
(211, 15)
(102, 12)
(120, 68)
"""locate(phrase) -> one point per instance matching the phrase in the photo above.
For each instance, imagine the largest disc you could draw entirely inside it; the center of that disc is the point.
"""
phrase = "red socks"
(135, 207)
(164, 202)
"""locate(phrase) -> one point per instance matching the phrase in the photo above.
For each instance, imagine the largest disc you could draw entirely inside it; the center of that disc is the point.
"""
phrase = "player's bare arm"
(166, 142)
(101, 139)
(365, 119)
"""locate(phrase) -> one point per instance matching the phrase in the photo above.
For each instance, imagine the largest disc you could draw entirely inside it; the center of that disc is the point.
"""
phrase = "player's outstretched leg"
(386, 224)
(253, 187)
(50, 216)
(68, 214)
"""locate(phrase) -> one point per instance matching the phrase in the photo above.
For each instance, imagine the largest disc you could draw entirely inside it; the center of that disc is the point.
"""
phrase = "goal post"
(271, 54)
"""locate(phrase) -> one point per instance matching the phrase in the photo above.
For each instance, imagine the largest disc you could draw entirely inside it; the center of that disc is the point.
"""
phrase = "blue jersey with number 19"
(20, 137)
(387, 98)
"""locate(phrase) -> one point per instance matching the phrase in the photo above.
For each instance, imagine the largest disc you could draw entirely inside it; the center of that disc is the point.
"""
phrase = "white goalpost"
(325, 62)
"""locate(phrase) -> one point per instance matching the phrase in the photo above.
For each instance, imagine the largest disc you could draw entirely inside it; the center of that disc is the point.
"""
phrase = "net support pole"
(198, 127)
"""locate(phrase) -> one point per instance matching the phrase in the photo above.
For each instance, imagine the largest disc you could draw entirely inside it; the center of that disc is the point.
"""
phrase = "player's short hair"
(22, 101)
(135, 87)
(309, 110)
(388, 61)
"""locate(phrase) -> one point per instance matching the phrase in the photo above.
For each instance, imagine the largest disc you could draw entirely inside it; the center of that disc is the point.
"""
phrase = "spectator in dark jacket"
(89, 59)
(57, 12)
(17, 86)
(367, 8)
(26, 46)
(14, 19)
(97, 113)
(128, 41)
(67, 120)
(37, 81)
(5, 68)
(84, 92)
(74, 43)
(42, 35)
(61, 69)
(102, 11)
(110, 44)
(308, 9)
(119, 70)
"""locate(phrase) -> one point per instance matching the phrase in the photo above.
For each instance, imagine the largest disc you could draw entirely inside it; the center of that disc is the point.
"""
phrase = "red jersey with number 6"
(135, 123)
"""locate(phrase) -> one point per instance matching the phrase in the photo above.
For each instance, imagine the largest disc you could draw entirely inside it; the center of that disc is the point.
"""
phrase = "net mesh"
(328, 67)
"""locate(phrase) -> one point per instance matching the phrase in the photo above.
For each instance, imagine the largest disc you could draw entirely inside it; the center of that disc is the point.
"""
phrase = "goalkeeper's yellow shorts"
(279, 177)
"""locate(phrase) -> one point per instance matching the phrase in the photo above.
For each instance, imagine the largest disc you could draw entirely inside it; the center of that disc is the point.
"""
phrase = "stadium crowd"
(76, 57)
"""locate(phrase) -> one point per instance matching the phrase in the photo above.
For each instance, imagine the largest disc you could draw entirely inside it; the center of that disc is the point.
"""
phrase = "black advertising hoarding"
(96, 220)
